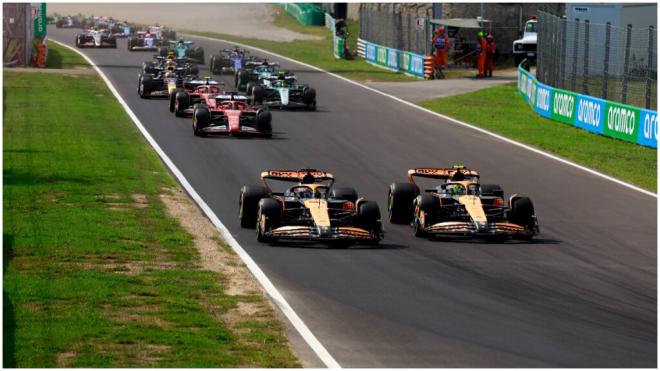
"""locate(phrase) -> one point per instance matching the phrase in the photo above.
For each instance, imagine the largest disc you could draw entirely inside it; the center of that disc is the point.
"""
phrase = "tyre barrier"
(428, 67)
(611, 119)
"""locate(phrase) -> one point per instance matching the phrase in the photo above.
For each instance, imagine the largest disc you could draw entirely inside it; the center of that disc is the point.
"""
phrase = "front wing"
(471, 229)
(305, 233)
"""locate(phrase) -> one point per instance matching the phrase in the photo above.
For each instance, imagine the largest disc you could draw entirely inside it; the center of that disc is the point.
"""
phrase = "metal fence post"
(585, 72)
(606, 60)
(624, 87)
(575, 53)
(649, 67)
(562, 59)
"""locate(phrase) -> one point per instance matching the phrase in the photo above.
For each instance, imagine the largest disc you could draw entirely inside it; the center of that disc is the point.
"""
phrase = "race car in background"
(227, 113)
(183, 99)
(229, 60)
(150, 39)
(183, 49)
(253, 72)
(68, 22)
(311, 210)
(164, 82)
(96, 39)
(183, 65)
(283, 91)
(460, 207)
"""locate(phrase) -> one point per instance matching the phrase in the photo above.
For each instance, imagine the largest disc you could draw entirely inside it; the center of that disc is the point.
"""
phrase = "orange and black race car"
(311, 210)
(460, 207)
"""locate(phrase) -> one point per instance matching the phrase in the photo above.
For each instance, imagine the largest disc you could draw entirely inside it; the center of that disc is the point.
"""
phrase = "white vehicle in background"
(526, 47)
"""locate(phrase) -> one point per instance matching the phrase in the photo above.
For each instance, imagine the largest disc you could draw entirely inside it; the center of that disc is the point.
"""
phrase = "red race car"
(182, 100)
(230, 114)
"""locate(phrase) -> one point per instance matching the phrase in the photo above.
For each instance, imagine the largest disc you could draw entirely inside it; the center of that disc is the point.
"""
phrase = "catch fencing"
(396, 29)
(613, 63)
(16, 34)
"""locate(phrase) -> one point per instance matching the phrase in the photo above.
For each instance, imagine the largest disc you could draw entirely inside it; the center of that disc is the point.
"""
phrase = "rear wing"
(231, 96)
(441, 173)
(304, 176)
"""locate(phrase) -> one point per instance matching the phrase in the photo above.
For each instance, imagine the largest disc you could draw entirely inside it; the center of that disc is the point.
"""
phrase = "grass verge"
(96, 273)
(502, 110)
(61, 57)
(316, 52)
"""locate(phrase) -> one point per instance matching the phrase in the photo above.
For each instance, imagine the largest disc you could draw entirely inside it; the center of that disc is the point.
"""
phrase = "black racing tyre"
(368, 216)
(77, 41)
(212, 65)
(522, 212)
(258, 94)
(201, 119)
(311, 106)
(400, 199)
(242, 80)
(269, 217)
(344, 193)
(129, 44)
(172, 98)
(193, 70)
(425, 213)
(494, 190)
(144, 86)
(309, 95)
(181, 102)
(162, 51)
(248, 204)
(113, 41)
(264, 120)
(248, 88)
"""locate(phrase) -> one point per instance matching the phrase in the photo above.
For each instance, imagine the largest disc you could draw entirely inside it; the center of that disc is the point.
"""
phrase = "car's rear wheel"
(144, 86)
(173, 99)
(400, 199)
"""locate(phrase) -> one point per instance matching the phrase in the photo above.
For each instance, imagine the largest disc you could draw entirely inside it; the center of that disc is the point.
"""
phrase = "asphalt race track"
(583, 294)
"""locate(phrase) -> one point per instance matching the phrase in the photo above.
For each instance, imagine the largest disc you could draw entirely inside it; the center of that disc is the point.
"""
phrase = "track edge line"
(265, 282)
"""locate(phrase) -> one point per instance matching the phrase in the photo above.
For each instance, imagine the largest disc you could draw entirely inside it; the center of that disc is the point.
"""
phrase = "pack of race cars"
(311, 209)
(214, 110)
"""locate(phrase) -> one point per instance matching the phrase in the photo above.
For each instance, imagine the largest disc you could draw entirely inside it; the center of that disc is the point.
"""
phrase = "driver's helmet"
(181, 42)
(455, 189)
(304, 192)
(281, 76)
(458, 176)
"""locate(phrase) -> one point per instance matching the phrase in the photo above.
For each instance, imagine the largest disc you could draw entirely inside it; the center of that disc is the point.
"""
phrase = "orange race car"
(311, 210)
(460, 207)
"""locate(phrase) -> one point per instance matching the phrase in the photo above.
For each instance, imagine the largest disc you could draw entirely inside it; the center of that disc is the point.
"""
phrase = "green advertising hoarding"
(621, 121)
(563, 106)
(39, 16)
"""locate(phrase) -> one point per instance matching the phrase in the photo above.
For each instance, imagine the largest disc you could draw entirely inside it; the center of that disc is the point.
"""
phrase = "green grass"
(91, 279)
(505, 112)
(316, 52)
(61, 57)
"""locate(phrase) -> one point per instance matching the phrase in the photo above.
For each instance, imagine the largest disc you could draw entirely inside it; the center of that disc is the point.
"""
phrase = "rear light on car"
(498, 202)
(348, 205)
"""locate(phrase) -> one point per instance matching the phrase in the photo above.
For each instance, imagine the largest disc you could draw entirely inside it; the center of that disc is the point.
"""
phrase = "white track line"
(453, 120)
(275, 295)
